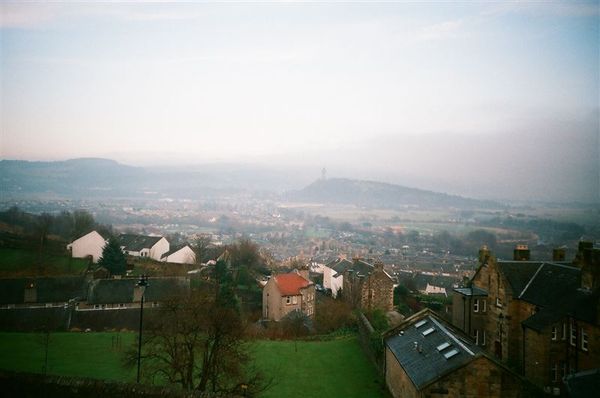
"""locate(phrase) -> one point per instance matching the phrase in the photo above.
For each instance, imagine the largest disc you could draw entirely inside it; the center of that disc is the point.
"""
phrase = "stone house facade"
(368, 287)
(539, 318)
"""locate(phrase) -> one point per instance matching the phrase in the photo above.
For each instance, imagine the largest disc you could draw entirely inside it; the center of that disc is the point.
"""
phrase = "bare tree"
(196, 341)
(200, 247)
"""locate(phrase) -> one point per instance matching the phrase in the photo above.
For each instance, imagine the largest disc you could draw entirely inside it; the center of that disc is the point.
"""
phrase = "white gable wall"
(159, 248)
(332, 282)
(88, 245)
(185, 255)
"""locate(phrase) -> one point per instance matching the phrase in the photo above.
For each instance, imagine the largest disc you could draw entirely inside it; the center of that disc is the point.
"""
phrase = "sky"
(443, 95)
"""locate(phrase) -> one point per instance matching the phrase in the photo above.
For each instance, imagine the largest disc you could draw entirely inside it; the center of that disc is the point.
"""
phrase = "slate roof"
(339, 265)
(48, 290)
(550, 284)
(138, 242)
(471, 291)
(583, 384)
(113, 291)
(361, 268)
(579, 304)
(290, 284)
(518, 273)
(439, 349)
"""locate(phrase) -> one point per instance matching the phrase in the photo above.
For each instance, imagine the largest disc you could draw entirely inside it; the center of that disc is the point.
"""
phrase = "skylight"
(451, 353)
(443, 346)
(428, 331)
(420, 323)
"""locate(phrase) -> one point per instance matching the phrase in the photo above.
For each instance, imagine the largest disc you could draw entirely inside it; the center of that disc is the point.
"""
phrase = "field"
(20, 262)
(334, 368)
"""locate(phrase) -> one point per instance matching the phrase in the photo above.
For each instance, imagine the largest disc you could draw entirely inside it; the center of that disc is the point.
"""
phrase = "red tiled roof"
(290, 284)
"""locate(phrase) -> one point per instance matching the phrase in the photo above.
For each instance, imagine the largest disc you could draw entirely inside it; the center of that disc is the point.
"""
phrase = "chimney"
(559, 254)
(521, 253)
(303, 272)
(590, 267)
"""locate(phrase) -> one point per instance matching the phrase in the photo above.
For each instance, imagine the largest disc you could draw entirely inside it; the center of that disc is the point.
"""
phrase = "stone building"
(427, 357)
(540, 318)
(368, 287)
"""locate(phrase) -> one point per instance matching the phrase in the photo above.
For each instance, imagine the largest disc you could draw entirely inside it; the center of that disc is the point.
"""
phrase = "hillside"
(380, 195)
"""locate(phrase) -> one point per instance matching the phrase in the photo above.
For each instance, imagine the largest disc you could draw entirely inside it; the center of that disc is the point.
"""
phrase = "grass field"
(334, 368)
(15, 262)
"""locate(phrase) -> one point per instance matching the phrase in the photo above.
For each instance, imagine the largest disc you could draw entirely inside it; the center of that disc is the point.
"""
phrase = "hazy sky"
(226, 81)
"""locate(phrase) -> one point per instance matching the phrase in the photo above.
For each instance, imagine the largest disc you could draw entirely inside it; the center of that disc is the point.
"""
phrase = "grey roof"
(471, 291)
(579, 304)
(360, 267)
(138, 242)
(48, 290)
(583, 384)
(113, 291)
(440, 349)
(518, 273)
(551, 283)
(339, 265)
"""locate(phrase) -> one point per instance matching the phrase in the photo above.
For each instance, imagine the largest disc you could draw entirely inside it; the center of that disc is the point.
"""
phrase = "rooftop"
(291, 284)
(428, 348)
(138, 242)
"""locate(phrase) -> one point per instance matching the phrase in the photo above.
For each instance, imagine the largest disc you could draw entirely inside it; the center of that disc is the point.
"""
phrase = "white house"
(333, 275)
(144, 246)
(180, 255)
(90, 244)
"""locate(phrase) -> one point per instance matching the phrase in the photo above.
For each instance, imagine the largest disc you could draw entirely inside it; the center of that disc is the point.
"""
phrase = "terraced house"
(540, 318)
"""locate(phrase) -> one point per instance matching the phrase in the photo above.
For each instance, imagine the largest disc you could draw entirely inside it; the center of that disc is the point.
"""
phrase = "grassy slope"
(335, 368)
(318, 369)
(24, 262)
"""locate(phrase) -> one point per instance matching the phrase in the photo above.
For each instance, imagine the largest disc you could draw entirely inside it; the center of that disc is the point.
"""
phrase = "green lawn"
(334, 368)
(25, 262)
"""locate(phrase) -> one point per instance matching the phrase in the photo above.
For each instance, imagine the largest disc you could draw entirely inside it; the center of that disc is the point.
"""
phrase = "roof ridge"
(531, 280)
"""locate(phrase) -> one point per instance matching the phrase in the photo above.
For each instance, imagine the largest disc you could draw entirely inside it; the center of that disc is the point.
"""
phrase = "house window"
(483, 337)
(584, 340)
(563, 368)
(498, 302)
(295, 300)
(484, 305)
(573, 339)
(288, 300)
(476, 305)
(554, 333)
(564, 332)
(554, 372)
(476, 336)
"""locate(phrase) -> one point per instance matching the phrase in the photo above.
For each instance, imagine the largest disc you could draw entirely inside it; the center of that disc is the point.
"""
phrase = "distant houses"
(88, 245)
(155, 247)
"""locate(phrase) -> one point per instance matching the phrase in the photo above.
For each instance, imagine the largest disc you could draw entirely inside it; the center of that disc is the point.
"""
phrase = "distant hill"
(103, 178)
(70, 178)
(380, 195)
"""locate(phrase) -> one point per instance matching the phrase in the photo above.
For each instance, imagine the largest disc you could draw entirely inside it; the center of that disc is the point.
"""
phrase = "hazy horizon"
(483, 100)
